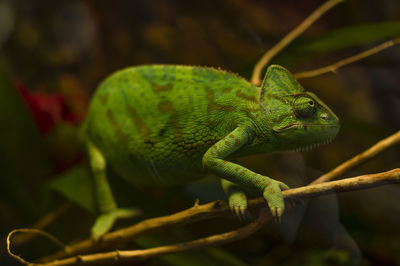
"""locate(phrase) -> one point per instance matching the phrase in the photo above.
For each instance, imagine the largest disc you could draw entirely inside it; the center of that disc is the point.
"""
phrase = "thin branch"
(346, 61)
(41, 224)
(360, 158)
(133, 255)
(29, 231)
(256, 76)
(191, 215)
(210, 210)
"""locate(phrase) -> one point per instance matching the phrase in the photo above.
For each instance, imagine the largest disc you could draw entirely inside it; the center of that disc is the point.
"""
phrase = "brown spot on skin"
(103, 98)
(271, 190)
(165, 107)
(212, 105)
(227, 143)
(243, 172)
(143, 129)
(119, 133)
(224, 162)
(226, 90)
(246, 97)
(159, 88)
(212, 123)
(237, 168)
(257, 181)
(116, 127)
(231, 136)
(237, 142)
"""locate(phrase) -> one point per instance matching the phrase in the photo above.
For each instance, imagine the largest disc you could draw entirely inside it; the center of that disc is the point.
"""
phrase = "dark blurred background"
(54, 53)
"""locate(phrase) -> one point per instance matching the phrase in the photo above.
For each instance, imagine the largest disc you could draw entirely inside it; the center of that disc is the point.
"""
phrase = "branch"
(134, 255)
(346, 61)
(41, 224)
(360, 158)
(325, 7)
(198, 213)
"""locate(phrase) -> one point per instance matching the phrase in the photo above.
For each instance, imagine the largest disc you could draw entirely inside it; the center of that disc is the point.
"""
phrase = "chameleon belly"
(154, 123)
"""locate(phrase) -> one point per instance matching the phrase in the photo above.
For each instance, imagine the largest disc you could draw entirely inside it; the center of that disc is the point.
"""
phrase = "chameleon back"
(159, 121)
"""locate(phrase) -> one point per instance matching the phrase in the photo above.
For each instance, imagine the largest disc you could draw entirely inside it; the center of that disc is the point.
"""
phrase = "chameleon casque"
(167, 124)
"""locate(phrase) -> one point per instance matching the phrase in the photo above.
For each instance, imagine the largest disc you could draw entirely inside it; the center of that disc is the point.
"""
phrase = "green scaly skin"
(169, 124)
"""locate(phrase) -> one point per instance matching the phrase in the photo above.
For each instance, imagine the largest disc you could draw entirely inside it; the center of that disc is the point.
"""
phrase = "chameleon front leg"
(109, 212)
(213, 161)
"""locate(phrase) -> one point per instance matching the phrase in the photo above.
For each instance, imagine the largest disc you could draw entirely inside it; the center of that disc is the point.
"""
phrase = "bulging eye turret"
(304, 107)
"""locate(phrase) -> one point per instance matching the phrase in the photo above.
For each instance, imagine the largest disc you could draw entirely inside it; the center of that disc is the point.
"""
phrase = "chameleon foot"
(273, 195)
(238, 205)
(106, 220)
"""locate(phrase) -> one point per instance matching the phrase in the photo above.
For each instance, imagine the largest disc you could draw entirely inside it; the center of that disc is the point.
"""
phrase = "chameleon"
(171, 124)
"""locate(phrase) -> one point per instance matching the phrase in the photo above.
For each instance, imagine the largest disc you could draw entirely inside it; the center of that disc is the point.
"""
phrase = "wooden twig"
(41, 224)
(346, 61)
(194, 214)
(256, 76)
(133, 255)
(214, 209)
(360, 158)
(29, 231)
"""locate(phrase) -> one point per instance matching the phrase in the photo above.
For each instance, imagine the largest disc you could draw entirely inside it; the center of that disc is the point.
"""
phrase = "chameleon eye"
(304, 107)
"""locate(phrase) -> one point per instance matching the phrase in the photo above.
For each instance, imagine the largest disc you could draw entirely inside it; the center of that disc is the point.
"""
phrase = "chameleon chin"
(171, 124)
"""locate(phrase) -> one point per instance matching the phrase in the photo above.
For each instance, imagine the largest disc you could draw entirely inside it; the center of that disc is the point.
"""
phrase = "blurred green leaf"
(24, 160)
(303, 49)
(76, 185)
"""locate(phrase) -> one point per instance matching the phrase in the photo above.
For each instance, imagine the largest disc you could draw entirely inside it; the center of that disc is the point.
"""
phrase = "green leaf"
(24, 161)
(76, 185)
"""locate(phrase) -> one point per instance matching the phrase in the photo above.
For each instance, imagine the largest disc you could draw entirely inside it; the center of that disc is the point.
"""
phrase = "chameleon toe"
(105, 221)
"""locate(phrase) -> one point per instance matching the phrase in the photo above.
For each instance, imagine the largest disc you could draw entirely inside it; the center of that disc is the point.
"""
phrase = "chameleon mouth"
(305, 126)
(313, 146)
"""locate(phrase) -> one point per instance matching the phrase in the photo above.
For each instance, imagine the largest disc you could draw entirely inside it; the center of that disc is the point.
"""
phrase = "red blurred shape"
(47, 109)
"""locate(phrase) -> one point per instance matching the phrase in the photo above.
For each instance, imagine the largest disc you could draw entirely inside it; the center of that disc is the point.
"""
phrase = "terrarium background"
(65, 48)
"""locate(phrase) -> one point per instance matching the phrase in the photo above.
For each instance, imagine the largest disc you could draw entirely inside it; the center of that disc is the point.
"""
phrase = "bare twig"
(256, 76)
(133, 255)
(29, 231)
(360, 158)
(215, 209)
(346, 61)
(41, 224)
(194, 214)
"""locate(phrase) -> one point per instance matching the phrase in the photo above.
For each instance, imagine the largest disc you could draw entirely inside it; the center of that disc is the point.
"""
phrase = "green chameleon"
(167, 124)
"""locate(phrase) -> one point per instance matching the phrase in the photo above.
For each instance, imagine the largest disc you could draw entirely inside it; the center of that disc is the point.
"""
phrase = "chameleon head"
(299, 119)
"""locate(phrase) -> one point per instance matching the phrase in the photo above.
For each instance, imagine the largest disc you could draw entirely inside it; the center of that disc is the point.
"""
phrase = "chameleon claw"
(242, 213)
(237, 213)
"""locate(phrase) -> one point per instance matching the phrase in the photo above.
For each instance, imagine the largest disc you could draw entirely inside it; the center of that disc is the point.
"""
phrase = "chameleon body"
(170, 124)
